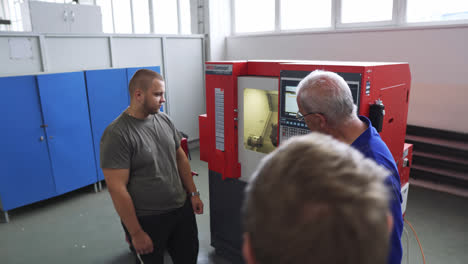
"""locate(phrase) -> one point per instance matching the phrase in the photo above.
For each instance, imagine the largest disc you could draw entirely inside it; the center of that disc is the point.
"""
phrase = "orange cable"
(420, 247)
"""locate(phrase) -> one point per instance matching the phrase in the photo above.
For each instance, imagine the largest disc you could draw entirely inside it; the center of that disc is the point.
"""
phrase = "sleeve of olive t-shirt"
(177, 136)
(115, 151)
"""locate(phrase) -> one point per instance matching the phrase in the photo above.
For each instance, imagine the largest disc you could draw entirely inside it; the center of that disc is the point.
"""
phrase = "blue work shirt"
(371, 145)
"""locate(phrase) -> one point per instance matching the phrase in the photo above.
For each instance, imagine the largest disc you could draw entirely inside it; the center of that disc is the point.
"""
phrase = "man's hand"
(197, 204)
(142, 243)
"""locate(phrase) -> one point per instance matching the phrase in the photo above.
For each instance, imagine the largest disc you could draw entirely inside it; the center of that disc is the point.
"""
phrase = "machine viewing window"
(260, 120)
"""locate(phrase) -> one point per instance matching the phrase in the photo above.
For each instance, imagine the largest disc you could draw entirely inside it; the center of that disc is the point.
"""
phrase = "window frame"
(339, 24)
(398, 21)
(403, 22)
(233, 20)
(315, 29)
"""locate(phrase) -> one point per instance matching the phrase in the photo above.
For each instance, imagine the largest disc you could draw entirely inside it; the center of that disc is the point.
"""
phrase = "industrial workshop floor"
(82, 227)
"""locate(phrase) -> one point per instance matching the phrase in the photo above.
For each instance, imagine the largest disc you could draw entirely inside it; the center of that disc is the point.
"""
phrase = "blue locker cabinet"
(47, 146)
(25, 169)
(107, 98)
(65, 110)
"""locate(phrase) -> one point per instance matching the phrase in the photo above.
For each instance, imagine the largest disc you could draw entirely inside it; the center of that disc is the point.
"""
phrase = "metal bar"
(401, 12)
(201, 18)
(164, 71)
(113, 22)
(233, 17)
(43, 50)
(151, 15)
(114, 35)
(19, 34)
(335, 15)
(179, 18)
(131, 16)
(111, 53)
(277, 15)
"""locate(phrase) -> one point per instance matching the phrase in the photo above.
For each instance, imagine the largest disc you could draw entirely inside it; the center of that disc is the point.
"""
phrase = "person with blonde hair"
(316, 200)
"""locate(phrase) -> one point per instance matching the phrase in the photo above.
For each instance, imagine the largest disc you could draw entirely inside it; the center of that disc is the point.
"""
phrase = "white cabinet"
(65, 18)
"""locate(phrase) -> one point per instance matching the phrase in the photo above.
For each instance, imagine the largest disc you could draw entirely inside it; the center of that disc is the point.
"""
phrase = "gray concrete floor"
(82, 227)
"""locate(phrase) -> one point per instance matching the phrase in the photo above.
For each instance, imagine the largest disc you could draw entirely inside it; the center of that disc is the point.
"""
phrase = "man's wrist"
(195, 193)
(134, 233)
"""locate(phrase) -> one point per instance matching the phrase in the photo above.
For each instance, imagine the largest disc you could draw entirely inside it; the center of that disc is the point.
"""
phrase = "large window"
(185, 17)
(122, 16)
(254, 16)
(118, 16)
(141, 17)
(436, 10)
(304, 14)
(276, 16)
(107, 16)
(165, 16)
(358, 11)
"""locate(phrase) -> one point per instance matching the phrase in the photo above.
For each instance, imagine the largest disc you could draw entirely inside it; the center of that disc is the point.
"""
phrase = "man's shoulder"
(379, 150)
(117, 125)
(374, 147)
(164, 118)
(162, 115)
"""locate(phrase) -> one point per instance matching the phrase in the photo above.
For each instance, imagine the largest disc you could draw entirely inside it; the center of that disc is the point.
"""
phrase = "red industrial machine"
(251, 108)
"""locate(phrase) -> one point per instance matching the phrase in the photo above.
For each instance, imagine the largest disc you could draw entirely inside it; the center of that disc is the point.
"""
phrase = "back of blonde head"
(317, 200)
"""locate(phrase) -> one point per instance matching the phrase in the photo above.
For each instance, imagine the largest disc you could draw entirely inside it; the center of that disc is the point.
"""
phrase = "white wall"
(69, 54)
(438, 59)
(134, 52)
(186, 71)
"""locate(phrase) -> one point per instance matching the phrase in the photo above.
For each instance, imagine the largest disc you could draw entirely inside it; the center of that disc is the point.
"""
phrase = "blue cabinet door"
(25, 172)
(107, 97)
(131, 72)
(65, 111)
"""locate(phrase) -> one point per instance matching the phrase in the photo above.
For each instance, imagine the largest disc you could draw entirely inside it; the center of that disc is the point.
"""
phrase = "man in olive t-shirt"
(148, 176)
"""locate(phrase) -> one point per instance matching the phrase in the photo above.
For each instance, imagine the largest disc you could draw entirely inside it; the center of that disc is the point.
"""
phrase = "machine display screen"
(290, 104)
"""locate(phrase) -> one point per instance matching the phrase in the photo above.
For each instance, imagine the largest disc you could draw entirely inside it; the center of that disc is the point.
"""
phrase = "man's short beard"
(148, 110)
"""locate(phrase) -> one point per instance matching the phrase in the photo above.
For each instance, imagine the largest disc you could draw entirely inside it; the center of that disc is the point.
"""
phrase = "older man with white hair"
(326, 105)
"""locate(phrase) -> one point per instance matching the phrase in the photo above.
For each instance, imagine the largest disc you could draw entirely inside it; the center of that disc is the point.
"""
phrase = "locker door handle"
(44, 125)
(41, 138)
(65, 16)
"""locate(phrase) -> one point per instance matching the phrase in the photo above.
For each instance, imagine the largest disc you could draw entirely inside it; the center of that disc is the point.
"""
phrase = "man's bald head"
(143, 79)
(328, 93)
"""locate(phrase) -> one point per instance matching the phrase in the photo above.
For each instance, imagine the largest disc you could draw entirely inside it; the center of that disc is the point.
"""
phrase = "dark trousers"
(175, 232)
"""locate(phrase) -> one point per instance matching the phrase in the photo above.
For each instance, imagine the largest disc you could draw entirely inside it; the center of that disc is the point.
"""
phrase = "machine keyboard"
(287, 132)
